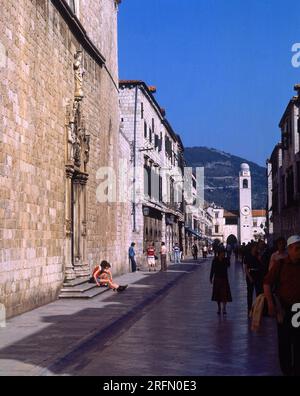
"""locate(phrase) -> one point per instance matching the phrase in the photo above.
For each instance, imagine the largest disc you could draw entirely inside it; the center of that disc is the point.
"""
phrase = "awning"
(193, 232)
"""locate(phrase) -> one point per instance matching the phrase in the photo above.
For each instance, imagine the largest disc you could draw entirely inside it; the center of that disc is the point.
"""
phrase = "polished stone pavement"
(163, 324)
(181, 334)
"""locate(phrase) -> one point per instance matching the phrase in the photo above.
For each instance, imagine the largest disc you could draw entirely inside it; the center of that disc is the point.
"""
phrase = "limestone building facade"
(59, 118)
(155, 183)
(284, 174)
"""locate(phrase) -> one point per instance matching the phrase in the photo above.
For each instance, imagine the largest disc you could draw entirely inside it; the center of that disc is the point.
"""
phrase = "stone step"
(95, 291)
(81, 288)
(75, 282)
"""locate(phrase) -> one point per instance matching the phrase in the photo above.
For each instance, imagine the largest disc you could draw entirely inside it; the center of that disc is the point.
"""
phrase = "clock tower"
(246, 222)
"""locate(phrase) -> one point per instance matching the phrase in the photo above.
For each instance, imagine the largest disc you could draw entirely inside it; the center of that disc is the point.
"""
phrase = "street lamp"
(146, 211)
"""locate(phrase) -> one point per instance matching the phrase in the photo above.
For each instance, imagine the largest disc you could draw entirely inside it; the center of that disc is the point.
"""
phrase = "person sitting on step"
(103, 276)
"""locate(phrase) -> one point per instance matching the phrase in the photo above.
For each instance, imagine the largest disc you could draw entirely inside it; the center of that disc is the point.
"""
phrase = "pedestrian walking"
(254, 274)
(215, 246)
(219, 278)
(236, 252)
(280, 253)
(285, 277)
(264, 253)
(151, 257)
(131, 255)
(228, 251)
(204, 251)
(195, 251)
(243, 252)
(176, 252)
(163, 257)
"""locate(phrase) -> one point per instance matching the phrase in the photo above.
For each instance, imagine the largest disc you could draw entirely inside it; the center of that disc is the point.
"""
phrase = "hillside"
(221, 177)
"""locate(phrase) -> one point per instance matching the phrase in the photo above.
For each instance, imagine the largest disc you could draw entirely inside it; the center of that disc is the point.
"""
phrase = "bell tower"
(246, 221)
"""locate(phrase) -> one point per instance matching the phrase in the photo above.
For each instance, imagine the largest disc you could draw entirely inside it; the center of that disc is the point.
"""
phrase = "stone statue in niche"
(78, 139)
(78, 74)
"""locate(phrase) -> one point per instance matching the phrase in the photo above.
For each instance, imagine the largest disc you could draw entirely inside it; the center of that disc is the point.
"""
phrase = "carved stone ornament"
(68, 227)
(78, 74)
(78, 139)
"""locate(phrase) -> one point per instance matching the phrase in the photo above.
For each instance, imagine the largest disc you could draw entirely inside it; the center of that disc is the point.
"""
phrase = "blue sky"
(222, 68)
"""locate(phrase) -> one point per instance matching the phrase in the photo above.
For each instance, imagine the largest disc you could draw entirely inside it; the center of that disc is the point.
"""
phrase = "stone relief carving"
(77, 158)
(78, 139)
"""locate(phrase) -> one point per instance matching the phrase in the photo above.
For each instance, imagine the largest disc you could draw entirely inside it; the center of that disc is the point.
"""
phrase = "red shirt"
(289, 284)
(151, 252)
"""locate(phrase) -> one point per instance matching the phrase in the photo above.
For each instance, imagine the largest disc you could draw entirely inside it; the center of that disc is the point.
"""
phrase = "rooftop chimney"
(297, 89)
(152, 89)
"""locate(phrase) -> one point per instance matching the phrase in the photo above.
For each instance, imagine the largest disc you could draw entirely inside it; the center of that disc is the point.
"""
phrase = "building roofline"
(149, 90)
(287, 109)
(276, 148)
(78, 30)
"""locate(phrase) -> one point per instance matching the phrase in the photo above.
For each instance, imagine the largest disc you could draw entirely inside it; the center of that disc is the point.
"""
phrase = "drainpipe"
(134, 160)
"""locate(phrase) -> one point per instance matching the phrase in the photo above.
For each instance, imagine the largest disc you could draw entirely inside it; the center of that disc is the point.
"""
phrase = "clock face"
(245, 210)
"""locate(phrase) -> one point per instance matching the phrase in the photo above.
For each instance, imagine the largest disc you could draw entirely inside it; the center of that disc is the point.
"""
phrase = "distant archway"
(216, 242)
(232, 240)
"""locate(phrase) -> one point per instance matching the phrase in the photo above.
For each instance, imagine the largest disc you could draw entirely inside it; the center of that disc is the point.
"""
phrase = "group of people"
(195, 251)
(152, 257)
(102, 275)
(275, 273)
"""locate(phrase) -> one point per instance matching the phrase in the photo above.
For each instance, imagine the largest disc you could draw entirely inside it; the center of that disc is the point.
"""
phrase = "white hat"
(293, 239)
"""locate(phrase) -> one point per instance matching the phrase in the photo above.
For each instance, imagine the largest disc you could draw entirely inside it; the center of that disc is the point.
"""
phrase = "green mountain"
(221, 177)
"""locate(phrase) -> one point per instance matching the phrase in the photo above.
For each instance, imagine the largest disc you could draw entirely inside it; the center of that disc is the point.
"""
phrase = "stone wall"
(36, 83)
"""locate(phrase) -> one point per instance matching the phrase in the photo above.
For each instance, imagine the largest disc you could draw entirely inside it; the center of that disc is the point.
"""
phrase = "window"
(156, 140)
(155, 184)
(145, 130)
(147, 181)
(160, 143)
(142, 110)
(172, 191)
(217, 215)
(290, 186)
(216, 229)
(254, 223)
(275, 198)
(231, 221)
(160, 189)
(283, 200)
(245, 183)
(150, 135)
(290, 131)
(168, 147)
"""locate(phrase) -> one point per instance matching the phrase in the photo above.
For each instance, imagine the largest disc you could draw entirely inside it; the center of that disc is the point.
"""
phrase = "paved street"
(165, 324)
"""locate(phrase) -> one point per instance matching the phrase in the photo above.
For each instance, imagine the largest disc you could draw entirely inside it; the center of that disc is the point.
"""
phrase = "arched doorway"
(232, 240)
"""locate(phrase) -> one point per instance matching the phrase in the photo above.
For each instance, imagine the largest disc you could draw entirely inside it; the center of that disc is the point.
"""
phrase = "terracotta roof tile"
(259, 213)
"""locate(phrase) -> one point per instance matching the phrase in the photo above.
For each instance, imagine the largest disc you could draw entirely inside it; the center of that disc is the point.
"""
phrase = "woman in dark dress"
(219, 278)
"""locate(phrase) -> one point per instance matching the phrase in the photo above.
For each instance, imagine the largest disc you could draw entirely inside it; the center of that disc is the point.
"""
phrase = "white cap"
(293, 239)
